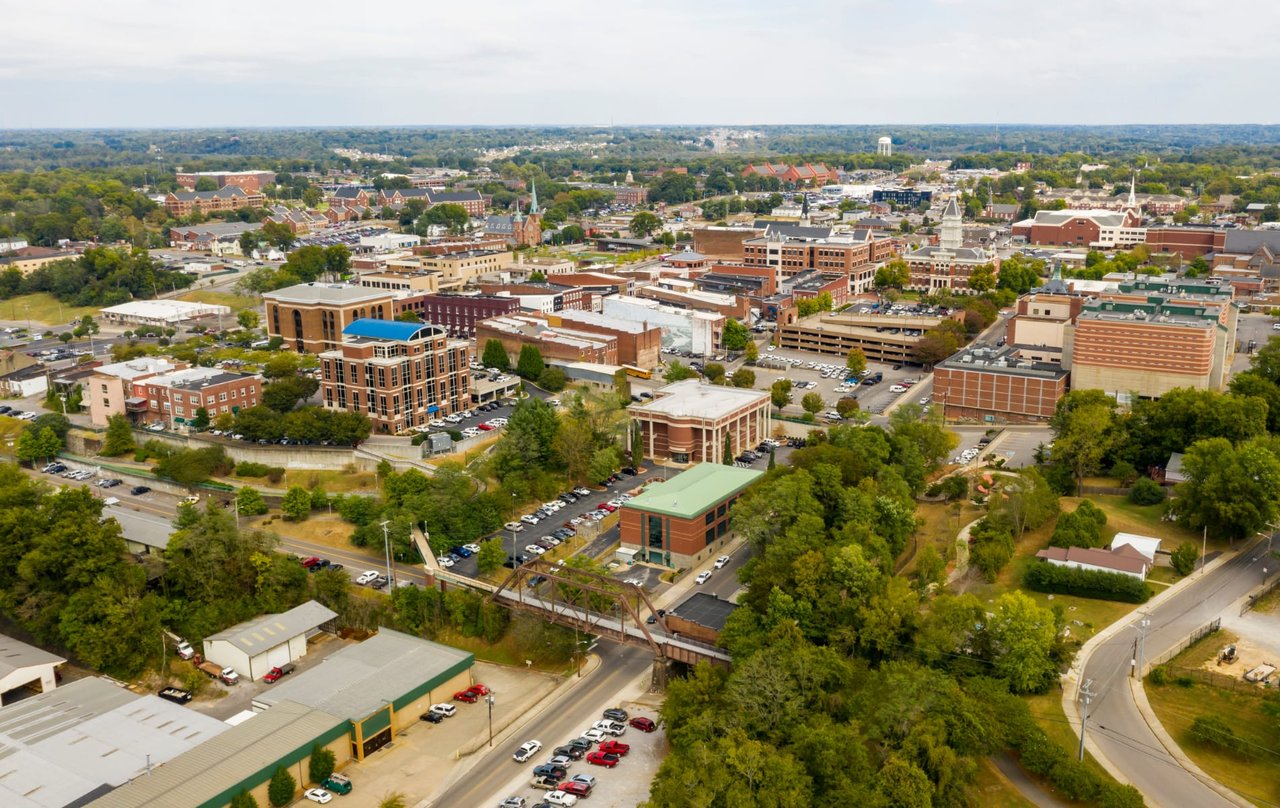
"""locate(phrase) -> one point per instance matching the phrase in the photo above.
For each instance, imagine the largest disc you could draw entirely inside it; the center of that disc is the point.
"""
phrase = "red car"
(310, 562)
(483, 427)
(643, 724)
(467, 696)
(602, 759)
(615, 748)
(575, 788)
(478, 689)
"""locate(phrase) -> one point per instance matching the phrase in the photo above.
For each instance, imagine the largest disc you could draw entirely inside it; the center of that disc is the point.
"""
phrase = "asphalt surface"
(562, 720)
(1115, 724)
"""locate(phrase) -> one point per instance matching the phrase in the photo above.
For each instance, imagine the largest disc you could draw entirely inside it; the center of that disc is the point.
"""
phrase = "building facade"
(997, 385)
(184, 203)
(248, 180)
(400, 375)
(685, 520)
(176, 398)
(693, 422)
(310, 317)
(458, 314)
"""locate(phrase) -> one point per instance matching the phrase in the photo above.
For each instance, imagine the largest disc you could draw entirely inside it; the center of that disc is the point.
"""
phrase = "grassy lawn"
(216, 298)
(42, 308)
(324, 529)
(991, 788)
(1257, 779)
(504, 652)
(1124, 516)
(937, 524)
(332, 481)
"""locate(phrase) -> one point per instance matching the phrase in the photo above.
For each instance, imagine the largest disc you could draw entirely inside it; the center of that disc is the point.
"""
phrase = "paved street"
(1115, 724)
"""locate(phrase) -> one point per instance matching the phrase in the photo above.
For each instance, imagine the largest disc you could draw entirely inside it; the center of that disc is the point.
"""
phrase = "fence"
(1191, 639)
(1104, 489)
(1208, 677)
(1262, 591)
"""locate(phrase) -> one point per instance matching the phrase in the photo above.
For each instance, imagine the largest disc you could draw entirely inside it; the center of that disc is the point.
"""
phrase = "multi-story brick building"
(685, 520)
(692, 422)
(790, 250)
(814, 283)
(310, 317)
(544, 297)
(350, 196)
(471, 200)
(569, 344)
(248, 180)
(109, 390)
(458, 314)
(230, 197)
(997, 385)
(1038, 326)
(1188, 242)
(950, 264)
(1098, 229)
(400, 375)
(639, 344)
(685, 295)
(176, 398)
(804, 174)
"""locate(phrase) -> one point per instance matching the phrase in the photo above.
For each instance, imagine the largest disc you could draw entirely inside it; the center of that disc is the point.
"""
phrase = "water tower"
(885, 146)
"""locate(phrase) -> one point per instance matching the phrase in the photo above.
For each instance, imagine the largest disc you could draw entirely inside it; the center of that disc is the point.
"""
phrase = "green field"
(214, 298)
(42, 309)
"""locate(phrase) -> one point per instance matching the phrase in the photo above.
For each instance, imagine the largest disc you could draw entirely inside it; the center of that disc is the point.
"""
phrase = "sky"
(140, 63)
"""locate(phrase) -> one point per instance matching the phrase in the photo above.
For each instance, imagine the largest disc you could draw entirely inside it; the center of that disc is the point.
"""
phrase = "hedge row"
(273, 473)
(1046, 577)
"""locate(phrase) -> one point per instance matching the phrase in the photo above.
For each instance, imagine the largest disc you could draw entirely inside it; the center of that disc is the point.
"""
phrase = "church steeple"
(1133, 197)
(533, 199)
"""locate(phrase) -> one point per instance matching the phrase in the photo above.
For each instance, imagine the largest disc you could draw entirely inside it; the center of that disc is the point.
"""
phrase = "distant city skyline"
(574, 62)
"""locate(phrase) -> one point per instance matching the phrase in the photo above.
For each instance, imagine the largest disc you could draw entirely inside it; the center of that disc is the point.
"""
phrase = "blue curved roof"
(387, 329)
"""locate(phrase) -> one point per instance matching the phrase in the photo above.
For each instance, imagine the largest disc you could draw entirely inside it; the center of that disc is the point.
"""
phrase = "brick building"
(230, 197)
(400, 375)
(803, 174)
(685, 295)
(692, 422)
(174, 398)
(310, 317)
(639, 344)
(351, 196)
(882, 337)
(1099, 229)
(685, 520)
(109, 390)
(949, 264)
(1188, 242)
(543, 297)
(1038, 326)
(814, 283)
(248, 180)
(997, 385)
(568, 344)
(793, 249)
(459, 313)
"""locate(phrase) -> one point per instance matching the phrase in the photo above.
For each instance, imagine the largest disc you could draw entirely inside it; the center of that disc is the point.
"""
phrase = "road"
(562, 720)
(1115, 724)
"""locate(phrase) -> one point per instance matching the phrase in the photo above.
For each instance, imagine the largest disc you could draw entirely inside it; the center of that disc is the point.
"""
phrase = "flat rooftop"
(325, 293)
(705, 609)
(602, 321)
(1004, 360)
(692, 493)
(693, 398)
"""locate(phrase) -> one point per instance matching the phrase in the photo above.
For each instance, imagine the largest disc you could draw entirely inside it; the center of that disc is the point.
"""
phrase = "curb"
(1071, 679)
(1171, 746)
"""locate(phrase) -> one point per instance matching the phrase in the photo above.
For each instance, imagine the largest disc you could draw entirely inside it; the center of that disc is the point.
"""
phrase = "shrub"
(1213, 731)
(1159, 675)
(1046, 577)
(247, 469)
(1146, 491)
(1115, 795)
(275, 474)
(1124, 472)
(1184, 558)
(1074, 780)
(321, 764)
(280, 792)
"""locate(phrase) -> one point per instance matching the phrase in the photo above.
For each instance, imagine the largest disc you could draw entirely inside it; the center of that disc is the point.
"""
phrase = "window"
(711, 517)
(654, 531)
(222, 396)
(711, 535)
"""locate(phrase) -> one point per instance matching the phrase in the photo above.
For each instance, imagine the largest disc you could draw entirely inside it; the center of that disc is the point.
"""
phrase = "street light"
(1139, 660)
(489, 700)
(386, 546)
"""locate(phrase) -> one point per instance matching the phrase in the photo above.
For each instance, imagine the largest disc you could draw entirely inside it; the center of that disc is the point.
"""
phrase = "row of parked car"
(5, 409)
(598, 746)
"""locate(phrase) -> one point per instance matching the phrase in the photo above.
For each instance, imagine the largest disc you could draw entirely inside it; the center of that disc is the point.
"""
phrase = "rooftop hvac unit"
(967, 359)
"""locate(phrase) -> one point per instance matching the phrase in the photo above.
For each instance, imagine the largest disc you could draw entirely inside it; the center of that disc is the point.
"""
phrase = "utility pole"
(386, 545)
(1087, 695)
(1204, 544)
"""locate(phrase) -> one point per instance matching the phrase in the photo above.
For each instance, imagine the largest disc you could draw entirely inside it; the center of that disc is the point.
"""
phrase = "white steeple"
(951, 236)
(1133, 198)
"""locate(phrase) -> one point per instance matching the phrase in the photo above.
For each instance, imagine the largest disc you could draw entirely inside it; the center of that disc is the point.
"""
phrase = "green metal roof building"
(681, 522)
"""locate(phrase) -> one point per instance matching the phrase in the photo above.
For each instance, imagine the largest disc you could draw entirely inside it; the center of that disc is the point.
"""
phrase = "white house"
(1125, 560)
(25, 666)
(256, 646)
(1146, 545)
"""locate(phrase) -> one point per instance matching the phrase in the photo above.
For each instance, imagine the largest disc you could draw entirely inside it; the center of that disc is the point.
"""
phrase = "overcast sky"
(76, 63)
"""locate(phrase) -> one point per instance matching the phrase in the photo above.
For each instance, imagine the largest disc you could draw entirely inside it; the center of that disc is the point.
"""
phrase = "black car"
(4, 408)
(112, 483)
(434, 718)
(379, 582)
(629, 471)
(581, 743)
(567, 498)
(572, 752)
(335, 567)
(322, 564)
(175, 695)
(139, 490)
(616, 714)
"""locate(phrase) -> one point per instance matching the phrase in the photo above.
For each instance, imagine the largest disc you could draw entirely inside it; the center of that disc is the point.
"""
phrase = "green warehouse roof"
(692, 493)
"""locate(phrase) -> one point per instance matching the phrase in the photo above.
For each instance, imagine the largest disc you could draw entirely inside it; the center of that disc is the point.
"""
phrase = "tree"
(637, 444)
(537, 276)
(1184, 558)
(939, 342)
(495, 355)
(603, 463)
(780, 393)
(714, 371)
(249, 502)
(119, 437)
(243, 799)
(735, 336)
(743, 377)
(1233, 491)
(983, 278)
(491, 556)
(530, 364)
(812, 403)
(752, 351)
(1080, 528)
(726, 457)
(280, 792)
(847, 406)
(1146, 491)
(321, 764)
(553, 379)
(449, 215)
(856, 361)
(284, 394)
(297, 503)
(247, 319)
(38, 445)
(644, 224)
(201, 421)
(893, 275)
(1083, 431)
(393, 800)
(1019, 639)
(678, 371)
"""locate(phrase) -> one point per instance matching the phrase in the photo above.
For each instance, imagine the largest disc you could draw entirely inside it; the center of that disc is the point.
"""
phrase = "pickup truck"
(185, 651)
(225, 675)
(278, 671)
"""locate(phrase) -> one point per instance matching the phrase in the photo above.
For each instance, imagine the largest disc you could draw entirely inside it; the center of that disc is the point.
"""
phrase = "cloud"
(287, 62)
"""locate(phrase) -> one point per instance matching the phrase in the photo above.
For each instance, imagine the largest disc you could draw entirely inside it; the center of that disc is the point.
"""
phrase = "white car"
(445, 710)
(722, 561)
(527, 750)
(611, 727)
(515, 527)
(595, 736)
(534, 549)
(367, 577)
(318, 795)
(897, 388)
(703, 577)
(563, 799)
(530, 519)
(444, 561)
(473, 547)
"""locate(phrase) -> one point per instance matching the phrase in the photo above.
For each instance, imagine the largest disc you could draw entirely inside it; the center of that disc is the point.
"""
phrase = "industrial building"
(256, 646)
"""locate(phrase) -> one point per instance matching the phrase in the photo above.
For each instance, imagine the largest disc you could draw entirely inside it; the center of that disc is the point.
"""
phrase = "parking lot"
(803, 369)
